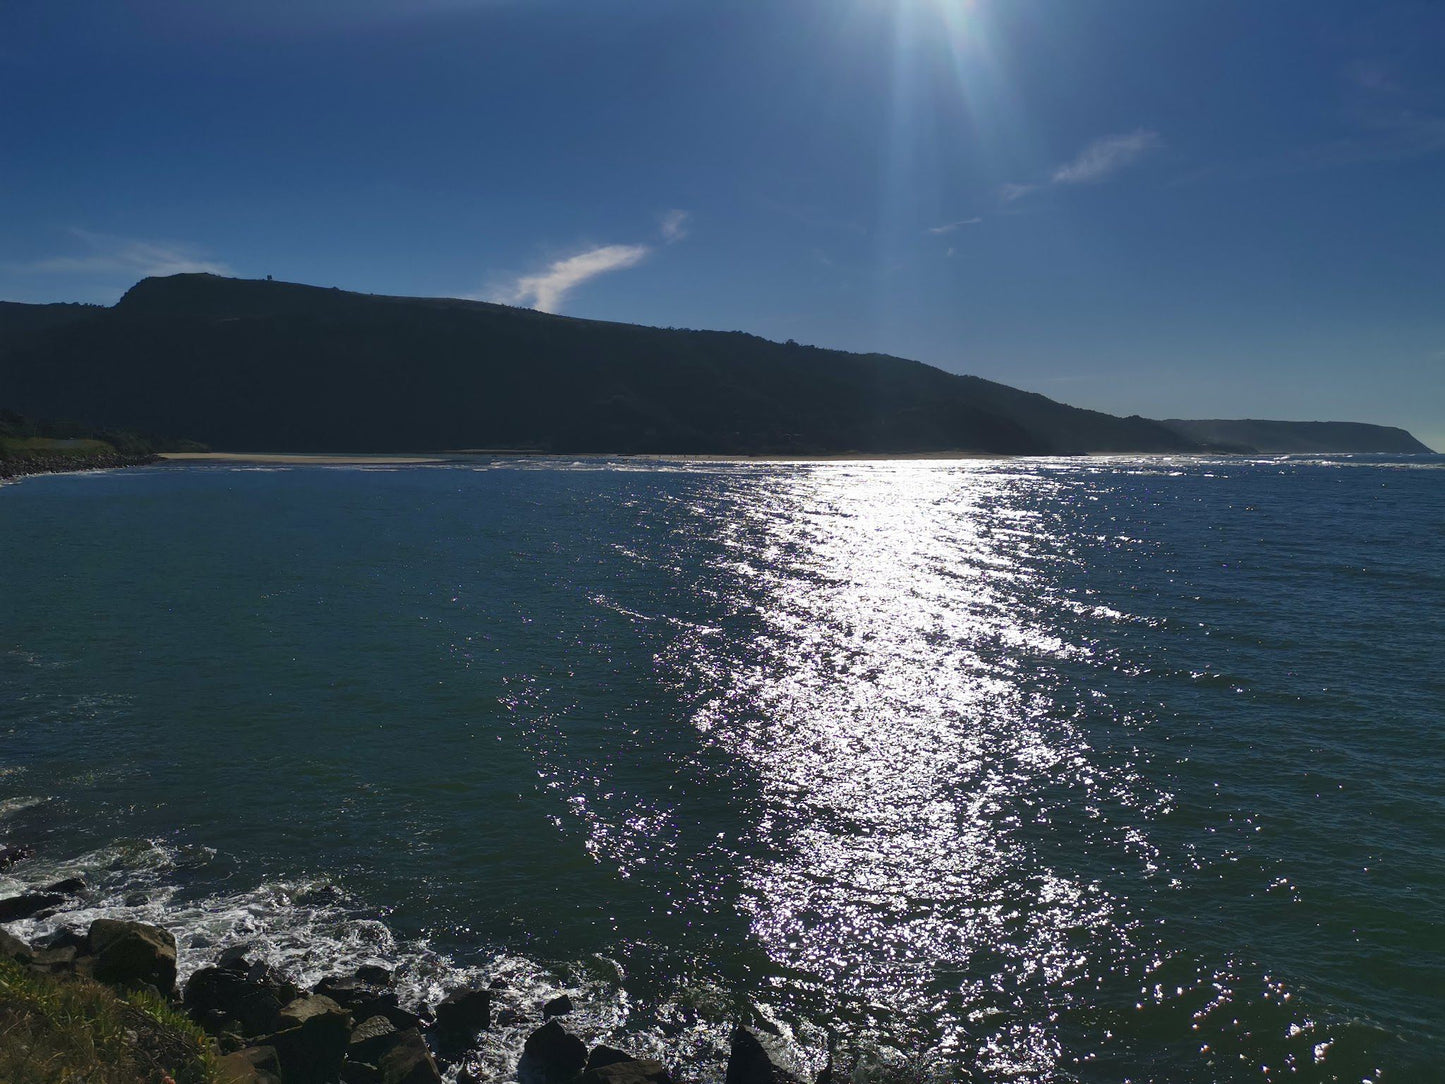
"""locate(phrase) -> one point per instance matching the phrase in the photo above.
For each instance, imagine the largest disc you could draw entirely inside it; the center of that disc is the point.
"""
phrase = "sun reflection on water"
(905, 767)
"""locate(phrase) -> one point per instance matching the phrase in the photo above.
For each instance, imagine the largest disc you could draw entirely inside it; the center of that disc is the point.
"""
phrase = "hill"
(271, 366)
(1284, 437)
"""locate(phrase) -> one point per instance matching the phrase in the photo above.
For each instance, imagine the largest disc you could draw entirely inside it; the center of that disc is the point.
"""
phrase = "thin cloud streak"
(1096, 163)
(674, 226)
(547, 290)
(110, 254)
(1104, 157)
(949, 227)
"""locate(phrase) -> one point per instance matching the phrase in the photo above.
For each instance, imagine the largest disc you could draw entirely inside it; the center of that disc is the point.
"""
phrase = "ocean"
(1110, 769)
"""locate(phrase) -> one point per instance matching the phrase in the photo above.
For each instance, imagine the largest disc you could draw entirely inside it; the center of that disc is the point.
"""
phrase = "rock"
(228, 1042)
(11, 853)
(133, 954)
(408, 1061)
(250, 1065)
(751, 1062)
(311, 1007)
(68, 887)
(12, 948)
(498, 983)
(216, 995)
(374, 974)
(367, 999)
(462, 1014)
(632, 1071)
(262, 974)
(234, 959)
(27, 904)
(370, 1039)
(67, 937)
(54, 961)
(311, 1039)
(348, 990)
(385, 1004)
(606, 1055)
(558, 1006)
(359, 1072)
(551, 1055)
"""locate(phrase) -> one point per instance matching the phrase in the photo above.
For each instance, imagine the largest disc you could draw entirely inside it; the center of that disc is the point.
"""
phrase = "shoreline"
(239, 1019)
(28, 466)
(468, 454)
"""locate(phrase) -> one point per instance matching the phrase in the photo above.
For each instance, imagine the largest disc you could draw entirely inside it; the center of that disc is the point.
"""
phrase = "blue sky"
(1175, 209)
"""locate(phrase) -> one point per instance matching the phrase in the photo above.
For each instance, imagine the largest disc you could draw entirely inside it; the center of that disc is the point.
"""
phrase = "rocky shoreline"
(264, 1027)
(62, 463)
(347, 1028)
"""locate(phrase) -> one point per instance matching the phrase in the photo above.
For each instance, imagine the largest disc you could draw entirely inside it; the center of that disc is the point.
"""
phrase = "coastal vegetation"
(58, 1028)
(33, 446)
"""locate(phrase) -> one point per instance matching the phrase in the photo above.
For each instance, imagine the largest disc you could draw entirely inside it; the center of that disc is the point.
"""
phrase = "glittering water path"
(1066, 770)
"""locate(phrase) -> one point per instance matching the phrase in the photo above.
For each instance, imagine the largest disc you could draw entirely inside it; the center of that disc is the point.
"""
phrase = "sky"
(1200, 208)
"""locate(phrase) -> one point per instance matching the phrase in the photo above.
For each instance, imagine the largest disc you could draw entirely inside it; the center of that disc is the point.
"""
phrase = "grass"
(81, 447)
(58, 1030)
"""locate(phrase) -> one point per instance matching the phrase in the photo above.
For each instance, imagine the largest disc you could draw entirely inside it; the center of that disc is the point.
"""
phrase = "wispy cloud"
(1104, 157)
(674, 226)
(107, 254)
(949, 227)
(1096, 163)
(1010, 192)
(547, 290)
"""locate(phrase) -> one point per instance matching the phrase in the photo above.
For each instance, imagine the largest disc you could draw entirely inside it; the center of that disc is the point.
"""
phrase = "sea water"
(1044, 770)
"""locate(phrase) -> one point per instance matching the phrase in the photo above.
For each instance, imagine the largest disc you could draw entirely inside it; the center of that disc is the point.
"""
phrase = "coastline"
(69, 464)
(462, 455)
(239, 1019)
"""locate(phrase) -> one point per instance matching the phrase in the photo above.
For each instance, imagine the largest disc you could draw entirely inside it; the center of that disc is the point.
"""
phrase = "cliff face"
(271, 366)
(1286, 437)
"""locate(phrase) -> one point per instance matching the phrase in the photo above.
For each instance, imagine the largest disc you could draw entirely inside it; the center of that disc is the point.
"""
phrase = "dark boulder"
(348, 990)
(752, 1061)
(374, 974)
(27, 904)
(12, 948)
(462, 1015)
(11, 853)
(560, 1005)
(67, 938)
(633, 1071)
(59, 960)
(551, 1055)
(68, 887)
(370, 1039)
(408, 1061)
(218, 998)
(311, 1039)
(360, 1072)
(366, 998)
(385, 1004)
(249, 1065)
(606, 1055)
(132, 954)
(263, 974)
(235, 959)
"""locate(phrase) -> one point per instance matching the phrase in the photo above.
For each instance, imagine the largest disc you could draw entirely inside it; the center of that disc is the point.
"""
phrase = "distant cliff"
(1283, 437)
(259, 365)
